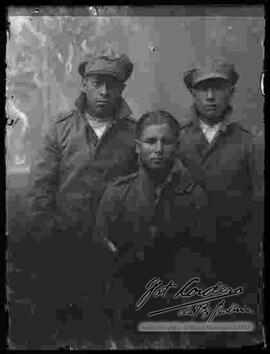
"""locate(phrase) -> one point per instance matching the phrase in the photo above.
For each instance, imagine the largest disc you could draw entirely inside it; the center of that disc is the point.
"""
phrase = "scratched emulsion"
(45, 46)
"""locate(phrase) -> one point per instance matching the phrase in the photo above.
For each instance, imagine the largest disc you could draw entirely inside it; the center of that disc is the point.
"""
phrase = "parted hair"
(154, 118)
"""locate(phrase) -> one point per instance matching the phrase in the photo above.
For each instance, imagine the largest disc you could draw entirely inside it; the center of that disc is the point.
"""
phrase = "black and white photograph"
(135, 177)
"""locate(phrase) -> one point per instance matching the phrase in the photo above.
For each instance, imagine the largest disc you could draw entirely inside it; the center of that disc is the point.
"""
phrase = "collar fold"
(228, 119)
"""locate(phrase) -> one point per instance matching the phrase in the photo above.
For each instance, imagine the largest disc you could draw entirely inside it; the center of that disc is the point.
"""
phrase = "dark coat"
(67, 179)
(150, 232)
(228, 168)
(73, 167)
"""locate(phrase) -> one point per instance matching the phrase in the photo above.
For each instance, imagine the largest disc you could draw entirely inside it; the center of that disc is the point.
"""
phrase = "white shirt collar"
(209, 131)
(98, 125)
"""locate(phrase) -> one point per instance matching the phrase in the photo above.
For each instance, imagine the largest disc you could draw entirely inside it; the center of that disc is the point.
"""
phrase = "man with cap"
(82, 151)
(221, 153)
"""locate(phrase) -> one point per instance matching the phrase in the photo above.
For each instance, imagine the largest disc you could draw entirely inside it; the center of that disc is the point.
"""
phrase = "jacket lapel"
(201, 146)
(194, 143)
(218, 137)
(201, 142)
(181, 179)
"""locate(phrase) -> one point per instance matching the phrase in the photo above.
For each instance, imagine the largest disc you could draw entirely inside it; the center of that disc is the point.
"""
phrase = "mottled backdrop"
(43, 53)
(44, 47)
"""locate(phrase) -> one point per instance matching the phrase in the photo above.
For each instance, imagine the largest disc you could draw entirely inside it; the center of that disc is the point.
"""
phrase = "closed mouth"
(157, 159)
(211, 106)
(103, 101)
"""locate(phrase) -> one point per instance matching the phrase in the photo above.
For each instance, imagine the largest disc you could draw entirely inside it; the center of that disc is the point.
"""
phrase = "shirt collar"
(226, 122)
(205, 127)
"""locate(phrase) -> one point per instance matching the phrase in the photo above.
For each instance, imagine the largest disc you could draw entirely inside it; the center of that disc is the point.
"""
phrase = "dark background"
(44, 50)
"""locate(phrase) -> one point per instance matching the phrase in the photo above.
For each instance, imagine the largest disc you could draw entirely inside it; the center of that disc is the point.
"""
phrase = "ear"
(123, 86)
(84, 84)
(232, 91)
(192, 92)
(137, 146)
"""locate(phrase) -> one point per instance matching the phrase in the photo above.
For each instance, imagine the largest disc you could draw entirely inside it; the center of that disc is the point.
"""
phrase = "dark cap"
(214, 68)
(107, 62)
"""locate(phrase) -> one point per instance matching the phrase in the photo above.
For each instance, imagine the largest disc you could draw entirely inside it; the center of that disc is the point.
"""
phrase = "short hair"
(157, 117)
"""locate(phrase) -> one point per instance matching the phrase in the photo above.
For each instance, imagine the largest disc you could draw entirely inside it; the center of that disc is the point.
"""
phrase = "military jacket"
(73, 167)
(150, 232)
(67, 178)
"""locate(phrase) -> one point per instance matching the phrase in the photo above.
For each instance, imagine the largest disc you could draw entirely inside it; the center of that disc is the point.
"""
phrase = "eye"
(201, 87)
(95, 83)
(149, 141)
(114, 85)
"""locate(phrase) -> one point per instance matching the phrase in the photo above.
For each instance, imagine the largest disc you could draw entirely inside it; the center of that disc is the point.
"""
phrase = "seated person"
(151, 223)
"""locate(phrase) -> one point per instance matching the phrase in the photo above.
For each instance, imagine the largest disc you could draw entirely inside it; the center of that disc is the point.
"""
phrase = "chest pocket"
(190, 195)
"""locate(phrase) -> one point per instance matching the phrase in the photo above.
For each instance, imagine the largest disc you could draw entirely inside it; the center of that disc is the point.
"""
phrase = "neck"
(158, 176)
(211, 122)
(215, 120)
(104, 117)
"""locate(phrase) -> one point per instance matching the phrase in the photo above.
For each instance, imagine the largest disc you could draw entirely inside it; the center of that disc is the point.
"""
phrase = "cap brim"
(104, 72)
(211, 76)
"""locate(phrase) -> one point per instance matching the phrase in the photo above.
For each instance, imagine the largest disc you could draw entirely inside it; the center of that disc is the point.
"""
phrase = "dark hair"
(157, 117)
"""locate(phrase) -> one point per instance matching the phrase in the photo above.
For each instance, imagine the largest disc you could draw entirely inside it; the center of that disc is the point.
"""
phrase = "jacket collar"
(146, 196)
(228, 119)
(122, 111)
(178, 175)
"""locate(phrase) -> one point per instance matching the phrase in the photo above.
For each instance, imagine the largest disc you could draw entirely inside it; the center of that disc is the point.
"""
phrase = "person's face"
(156, 146)
(103, 93)
(212, 98)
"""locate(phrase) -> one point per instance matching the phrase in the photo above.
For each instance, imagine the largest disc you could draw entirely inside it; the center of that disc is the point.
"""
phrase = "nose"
(103, 89)
(159, 146)
(210, 95)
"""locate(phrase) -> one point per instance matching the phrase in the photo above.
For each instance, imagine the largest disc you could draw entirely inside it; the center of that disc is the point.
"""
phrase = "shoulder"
(127, 122)
(185, 126)
(246, 131)
(122, 181)
(116, 189)
(125, 129)
(130, 119)
(120, 184)
(242, 128)
(63, 116)
(241, 135)
(58, 122)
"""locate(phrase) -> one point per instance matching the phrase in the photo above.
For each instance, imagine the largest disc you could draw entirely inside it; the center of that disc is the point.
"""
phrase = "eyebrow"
(155, 138)
(213, 84)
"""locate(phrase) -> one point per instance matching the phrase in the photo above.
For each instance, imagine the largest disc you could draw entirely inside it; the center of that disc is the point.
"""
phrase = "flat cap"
(107, 62)
(214, 68)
